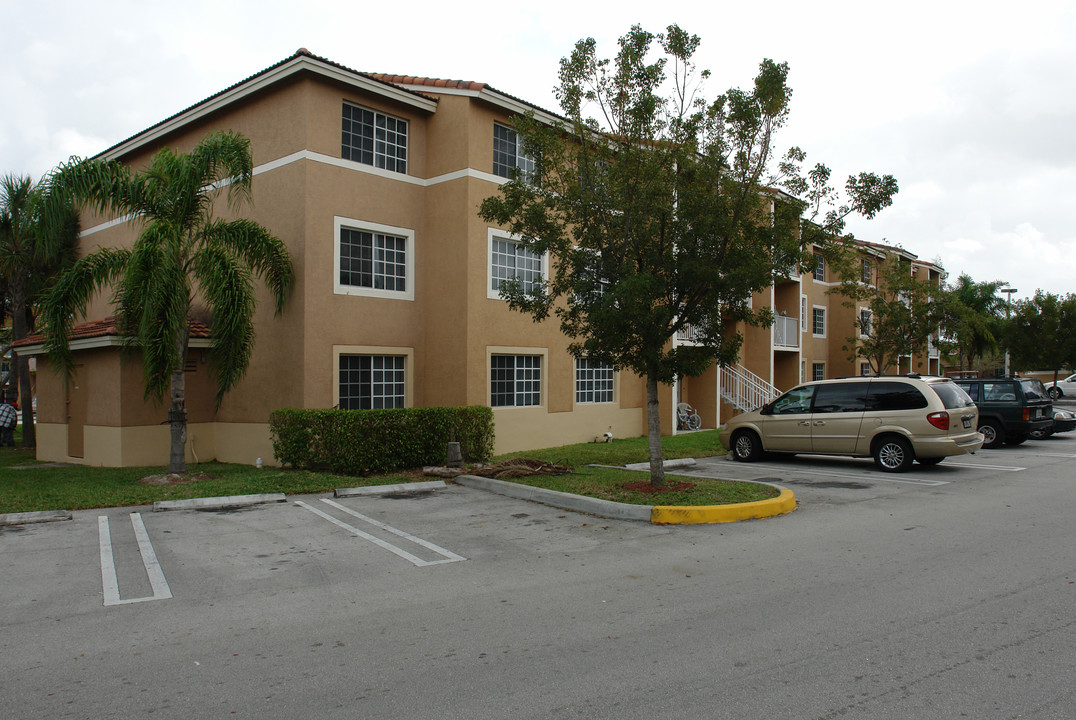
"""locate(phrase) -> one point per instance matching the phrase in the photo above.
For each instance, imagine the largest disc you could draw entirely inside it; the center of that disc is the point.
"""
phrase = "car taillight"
(1027, 414)
(939, 420)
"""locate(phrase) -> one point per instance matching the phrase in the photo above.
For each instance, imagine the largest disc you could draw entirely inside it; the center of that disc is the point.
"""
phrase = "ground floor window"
(593, 382)
(370, 382)
(818, 371)
(515, 380)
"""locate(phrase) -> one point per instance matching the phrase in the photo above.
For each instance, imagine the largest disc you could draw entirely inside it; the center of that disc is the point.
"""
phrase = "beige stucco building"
(373, 182)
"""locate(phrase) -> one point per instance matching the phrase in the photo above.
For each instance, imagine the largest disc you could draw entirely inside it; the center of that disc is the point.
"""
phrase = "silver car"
(897, 420)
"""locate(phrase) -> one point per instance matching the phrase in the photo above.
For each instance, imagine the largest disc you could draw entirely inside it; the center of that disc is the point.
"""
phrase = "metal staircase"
(744, 390)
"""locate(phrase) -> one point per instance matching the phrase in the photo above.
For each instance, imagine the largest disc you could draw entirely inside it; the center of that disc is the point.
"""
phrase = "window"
(818, 326)
(803, 313)
(508, 154)
(372, 381)
(889, 396)
(818, 371)
(868, 271)
(593, 382)
(865, 317)
(819, 267)
(508, 260)
(515, 380)
(865, 369)
(372, 138)
(841, 398)
(794, 402)
(374, 260)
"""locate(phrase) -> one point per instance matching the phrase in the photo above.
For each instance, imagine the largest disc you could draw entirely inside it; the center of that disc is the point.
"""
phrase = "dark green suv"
(1010, 408)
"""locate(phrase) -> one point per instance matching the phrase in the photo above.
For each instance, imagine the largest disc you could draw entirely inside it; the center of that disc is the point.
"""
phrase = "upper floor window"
(509, 259)
(508, 154)
(868, 271)
(819, 267)
(374, 260)
(865, 317)
(818, 325)
(373, 138)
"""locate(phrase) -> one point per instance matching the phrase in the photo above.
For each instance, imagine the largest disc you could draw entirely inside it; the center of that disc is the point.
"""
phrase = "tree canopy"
(659, 209)
(1041, 333)
(183, 252)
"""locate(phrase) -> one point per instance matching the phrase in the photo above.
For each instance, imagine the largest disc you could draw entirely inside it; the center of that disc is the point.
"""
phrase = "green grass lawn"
(27, 485)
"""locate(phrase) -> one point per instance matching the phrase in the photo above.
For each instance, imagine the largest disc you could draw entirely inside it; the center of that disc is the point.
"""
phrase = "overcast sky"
(971, 105)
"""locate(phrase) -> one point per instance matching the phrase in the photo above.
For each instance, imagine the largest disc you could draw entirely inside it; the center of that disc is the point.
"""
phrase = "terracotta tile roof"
(429, 82)
(103, 328)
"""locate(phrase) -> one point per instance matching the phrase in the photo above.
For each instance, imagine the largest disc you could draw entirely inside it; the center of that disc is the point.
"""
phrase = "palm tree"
(31, 253)
(974, 318)
(182, 252)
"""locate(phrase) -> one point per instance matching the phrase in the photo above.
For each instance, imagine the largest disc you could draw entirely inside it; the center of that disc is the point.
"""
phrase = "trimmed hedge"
(363, 442)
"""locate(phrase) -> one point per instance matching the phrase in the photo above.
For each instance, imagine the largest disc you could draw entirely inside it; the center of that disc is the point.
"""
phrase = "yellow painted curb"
(685, 514)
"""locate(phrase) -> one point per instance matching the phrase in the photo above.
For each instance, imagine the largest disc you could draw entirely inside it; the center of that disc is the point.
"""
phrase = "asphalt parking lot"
(936, 593)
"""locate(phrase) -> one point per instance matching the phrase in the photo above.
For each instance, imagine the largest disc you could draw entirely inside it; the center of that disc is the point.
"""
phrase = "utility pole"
(1008, 306)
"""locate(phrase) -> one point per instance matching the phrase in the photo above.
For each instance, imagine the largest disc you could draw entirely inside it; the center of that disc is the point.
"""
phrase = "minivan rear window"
(889, 396)
(952, 395)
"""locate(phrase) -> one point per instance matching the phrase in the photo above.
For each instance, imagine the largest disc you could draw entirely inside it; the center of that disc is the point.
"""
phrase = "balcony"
(786, 333)
(688, 335)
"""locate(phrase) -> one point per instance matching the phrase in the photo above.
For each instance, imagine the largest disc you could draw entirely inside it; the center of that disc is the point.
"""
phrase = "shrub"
(360, 442)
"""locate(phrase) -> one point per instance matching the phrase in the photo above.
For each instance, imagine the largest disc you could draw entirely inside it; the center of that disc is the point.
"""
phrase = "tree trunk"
(177, 412)
(20, 367)
(653, 425)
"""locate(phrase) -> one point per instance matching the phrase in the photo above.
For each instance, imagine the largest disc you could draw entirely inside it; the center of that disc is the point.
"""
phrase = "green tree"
(903, 311)
(652, 206)
(974, 321)
(31, 253)
(1042, 332)
(182, 253)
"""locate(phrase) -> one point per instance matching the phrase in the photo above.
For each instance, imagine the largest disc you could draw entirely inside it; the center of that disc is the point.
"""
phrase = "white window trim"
(409, 366)
(505, 235)
(543, 379)
(575, 387)
(825, 321)
(339, 223)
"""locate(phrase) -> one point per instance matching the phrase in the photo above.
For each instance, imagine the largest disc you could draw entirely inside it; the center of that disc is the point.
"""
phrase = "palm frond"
(264, 253)
(70, 295)
(229, 292)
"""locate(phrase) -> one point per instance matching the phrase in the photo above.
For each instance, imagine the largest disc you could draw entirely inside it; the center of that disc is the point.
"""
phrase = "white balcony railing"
(786, 332)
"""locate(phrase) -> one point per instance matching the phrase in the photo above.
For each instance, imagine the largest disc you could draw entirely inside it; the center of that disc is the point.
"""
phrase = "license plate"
(967, 421)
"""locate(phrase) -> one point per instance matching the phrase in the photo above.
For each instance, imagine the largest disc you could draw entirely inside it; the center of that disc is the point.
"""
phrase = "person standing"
(9, 418)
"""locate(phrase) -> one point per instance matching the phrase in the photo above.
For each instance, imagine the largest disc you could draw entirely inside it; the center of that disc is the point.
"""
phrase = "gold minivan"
(897, 420)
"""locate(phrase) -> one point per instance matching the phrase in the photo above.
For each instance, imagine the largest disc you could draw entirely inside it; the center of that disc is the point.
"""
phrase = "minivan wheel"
(746, 447)
(995, 436)
(893, 454)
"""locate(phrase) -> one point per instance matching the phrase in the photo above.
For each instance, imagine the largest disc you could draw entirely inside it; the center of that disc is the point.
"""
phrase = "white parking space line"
(984, 466)
(447, 555)
(109, 581)
(1060, 455)
(828, 473)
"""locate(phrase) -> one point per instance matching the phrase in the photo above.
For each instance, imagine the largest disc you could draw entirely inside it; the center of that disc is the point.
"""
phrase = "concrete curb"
(579, 503)
(218, 503)
(659, 514)
(385, 489)
(37, 516)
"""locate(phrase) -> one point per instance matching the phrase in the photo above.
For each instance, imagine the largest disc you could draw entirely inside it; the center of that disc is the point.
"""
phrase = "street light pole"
(1008, 306)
